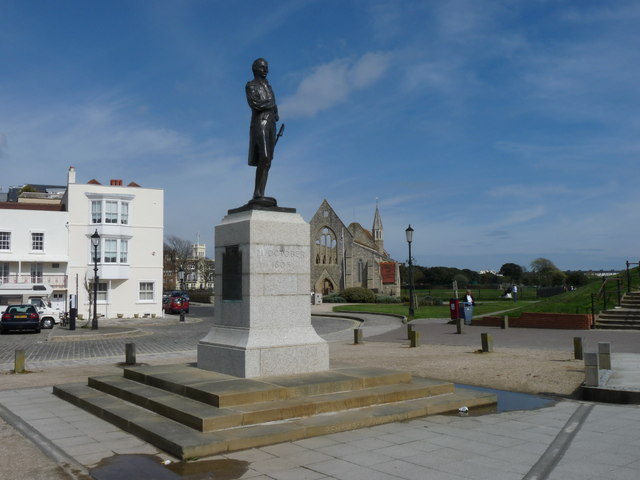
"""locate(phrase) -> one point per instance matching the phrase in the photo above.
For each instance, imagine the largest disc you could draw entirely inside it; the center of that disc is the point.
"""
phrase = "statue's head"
(260, 67)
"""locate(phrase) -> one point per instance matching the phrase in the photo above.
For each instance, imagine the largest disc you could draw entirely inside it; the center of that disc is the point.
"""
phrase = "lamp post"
(95, 241)
(181, 278)
(409, 234)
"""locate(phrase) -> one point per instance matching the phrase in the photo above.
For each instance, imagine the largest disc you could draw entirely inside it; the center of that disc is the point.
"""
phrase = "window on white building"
(124, 251)
(124, 213)
(5, 240)
(111, 211)
(37, 242)
(96, 211)
(36, 273)
(146, 291)
(102, 292)
(110, 250)
(4, 272)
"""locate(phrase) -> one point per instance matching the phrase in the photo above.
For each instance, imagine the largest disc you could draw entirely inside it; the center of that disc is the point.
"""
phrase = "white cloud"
(332, 83)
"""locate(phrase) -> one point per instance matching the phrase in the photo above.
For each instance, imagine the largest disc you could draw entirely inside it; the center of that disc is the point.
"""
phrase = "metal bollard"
(357, 336)
(505, 322)
(415, 339)
(182, 315)
(604, 355)
(130, 353)
(591, 370)
(578, 347)
(460, 326)
(487, 342)
(19, 361)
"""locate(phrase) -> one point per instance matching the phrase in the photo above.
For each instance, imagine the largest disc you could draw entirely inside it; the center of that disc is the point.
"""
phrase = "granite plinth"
(262, 322)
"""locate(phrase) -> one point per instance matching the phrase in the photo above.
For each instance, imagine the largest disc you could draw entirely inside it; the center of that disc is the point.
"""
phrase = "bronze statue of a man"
(262, 133)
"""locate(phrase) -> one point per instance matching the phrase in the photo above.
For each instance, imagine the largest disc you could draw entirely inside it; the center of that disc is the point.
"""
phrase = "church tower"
(377, 231)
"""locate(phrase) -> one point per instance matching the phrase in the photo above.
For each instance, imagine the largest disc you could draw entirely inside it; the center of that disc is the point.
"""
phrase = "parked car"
(175, 304)
(178, 293)
(20, 317)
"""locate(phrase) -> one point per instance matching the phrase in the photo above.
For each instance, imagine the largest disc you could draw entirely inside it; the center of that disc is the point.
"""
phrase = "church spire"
(377, 230)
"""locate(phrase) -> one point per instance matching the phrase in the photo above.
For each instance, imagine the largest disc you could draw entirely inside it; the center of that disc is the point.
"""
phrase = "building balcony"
(55, 281)
(110, 271)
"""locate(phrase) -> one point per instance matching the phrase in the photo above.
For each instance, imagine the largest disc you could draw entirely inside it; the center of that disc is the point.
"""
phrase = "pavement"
(45, 437)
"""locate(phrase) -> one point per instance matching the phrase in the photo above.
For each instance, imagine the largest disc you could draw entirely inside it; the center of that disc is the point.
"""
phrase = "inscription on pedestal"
(281, 258)
(232, 273)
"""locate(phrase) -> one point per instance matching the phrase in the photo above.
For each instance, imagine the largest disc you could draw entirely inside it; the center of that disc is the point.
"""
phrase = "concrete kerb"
(70, 466)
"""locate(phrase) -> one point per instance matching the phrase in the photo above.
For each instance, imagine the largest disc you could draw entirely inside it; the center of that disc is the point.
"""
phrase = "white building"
(129, 220)
(33, 252)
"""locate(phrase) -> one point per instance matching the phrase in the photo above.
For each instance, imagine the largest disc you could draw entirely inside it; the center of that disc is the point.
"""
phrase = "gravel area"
(516, 369)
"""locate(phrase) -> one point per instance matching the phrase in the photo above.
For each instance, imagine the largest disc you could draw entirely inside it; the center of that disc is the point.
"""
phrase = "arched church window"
(360, 270)
(326, 247)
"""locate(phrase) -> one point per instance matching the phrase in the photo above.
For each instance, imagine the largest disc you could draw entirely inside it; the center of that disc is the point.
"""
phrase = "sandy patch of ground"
(515, 369)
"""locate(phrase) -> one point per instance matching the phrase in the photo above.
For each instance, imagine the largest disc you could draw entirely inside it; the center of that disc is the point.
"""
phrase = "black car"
(20, 317)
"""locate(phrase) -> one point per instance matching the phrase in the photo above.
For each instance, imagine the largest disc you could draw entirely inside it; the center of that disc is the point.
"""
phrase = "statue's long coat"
(262, 133)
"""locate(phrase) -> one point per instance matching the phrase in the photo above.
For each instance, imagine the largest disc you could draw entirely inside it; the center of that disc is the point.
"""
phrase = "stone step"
(203, 417)
(618, 326)
(184, 442)
(222, 390)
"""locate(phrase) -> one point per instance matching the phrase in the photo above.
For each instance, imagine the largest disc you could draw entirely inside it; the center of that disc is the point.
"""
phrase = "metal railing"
(56, 281)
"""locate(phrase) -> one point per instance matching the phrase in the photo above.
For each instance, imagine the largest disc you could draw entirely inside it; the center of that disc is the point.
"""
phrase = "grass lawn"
(576, 301)
(441, 311)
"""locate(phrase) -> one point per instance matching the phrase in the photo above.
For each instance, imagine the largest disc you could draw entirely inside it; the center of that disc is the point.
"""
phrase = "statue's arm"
(256, 101)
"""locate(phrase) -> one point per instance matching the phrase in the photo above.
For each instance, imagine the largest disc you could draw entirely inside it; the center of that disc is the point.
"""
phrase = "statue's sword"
(280, 132)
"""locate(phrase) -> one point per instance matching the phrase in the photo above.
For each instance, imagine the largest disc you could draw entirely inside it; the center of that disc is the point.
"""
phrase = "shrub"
(333, 298)
(387, 299)
(201, 296)
(428, 301)
(358, 295)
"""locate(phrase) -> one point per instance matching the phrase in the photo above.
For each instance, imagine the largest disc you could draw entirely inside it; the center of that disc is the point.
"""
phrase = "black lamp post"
(181, 278)
(95, 241)
(409, 233)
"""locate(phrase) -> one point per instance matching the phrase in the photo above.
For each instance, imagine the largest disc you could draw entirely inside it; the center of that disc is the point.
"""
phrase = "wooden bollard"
(357, 336)
(487, 342)
(460, 326)
(130, 353)
(19, 361)
(591, 370)
(415, 339)
(578, 347)
(505, 322)
(604, 355)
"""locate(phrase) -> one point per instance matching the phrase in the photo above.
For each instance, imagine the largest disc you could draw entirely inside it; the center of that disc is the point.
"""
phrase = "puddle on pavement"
(150, 467)
(508, 401)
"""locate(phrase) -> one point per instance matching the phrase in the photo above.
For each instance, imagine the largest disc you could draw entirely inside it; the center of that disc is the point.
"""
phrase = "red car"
(175, 304)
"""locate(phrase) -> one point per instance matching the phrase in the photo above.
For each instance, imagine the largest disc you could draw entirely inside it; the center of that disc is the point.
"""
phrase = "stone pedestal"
(262, 321)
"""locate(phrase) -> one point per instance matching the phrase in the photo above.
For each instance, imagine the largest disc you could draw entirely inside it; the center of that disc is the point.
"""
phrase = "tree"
(176, 253)
(577, 279)
(547, 273)
(511, 270)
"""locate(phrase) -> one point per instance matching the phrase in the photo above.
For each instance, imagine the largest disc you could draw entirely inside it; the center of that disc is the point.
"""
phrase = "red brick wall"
(566, 321)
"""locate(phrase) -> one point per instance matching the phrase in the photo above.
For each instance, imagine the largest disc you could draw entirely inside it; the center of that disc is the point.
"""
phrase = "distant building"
(344, 257)
(200, 269)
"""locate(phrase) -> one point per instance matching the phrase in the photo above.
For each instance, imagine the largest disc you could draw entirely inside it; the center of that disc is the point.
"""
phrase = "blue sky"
(502, 131)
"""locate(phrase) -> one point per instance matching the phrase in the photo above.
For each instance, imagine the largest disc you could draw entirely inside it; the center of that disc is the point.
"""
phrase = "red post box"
(454, 308)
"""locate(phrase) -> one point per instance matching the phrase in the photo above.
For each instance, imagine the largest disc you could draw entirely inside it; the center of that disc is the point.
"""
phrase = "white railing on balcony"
(56, 281)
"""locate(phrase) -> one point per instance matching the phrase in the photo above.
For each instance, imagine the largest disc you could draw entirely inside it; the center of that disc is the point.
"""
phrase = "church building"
(344, 257)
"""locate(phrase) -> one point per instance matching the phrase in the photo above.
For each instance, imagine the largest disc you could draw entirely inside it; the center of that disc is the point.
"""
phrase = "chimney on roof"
(71, 176)
(116, 182)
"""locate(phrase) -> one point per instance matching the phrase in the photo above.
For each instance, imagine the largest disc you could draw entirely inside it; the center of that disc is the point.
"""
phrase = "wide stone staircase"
(624, 317)
(190, 412)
